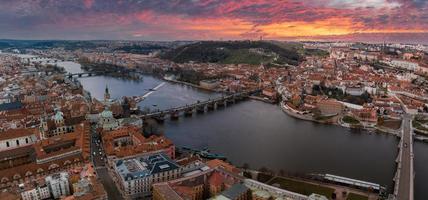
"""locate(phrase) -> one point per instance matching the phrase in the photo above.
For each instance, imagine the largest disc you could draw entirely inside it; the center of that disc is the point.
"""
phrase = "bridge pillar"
(230, 100)
(220, 103)
(210, 106)
(160, 118)
(188, 112)
(200, 109)
(175, 115)
(238, 97)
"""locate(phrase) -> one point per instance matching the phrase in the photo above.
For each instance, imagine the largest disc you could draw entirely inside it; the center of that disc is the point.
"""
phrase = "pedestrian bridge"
(199, 107)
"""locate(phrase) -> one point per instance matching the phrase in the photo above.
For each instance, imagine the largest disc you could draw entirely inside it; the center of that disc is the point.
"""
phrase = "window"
(26, 140)
(7, 144)
(17, 142)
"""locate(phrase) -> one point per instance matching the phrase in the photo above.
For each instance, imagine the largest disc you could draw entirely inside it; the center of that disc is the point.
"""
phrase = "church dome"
(59, 116)
(107, 114)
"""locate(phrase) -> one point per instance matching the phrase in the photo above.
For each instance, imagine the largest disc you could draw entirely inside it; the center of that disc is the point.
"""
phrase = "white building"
(136, 175)
(366, 56)
(58, 184)
(107, 121)
(355, 91)
(38, 193)
(405, 65)
(14, 138)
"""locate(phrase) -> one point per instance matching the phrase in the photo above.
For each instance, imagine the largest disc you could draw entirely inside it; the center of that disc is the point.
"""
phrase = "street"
(98, 158)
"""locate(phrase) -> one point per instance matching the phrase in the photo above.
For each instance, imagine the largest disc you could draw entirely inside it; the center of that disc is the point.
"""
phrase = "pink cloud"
(88, 3)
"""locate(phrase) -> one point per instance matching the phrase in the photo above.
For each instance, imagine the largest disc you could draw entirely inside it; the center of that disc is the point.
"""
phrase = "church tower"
(106, 95)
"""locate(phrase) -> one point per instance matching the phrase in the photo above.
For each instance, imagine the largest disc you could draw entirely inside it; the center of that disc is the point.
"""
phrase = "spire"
(106, 91)
(106, 94)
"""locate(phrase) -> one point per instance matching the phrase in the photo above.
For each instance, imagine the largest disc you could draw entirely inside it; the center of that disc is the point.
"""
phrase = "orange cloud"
(332, 26)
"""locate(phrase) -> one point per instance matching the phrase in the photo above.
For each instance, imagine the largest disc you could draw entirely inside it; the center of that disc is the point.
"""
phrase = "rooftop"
(10, 106)
(235, 191)
(139, 167)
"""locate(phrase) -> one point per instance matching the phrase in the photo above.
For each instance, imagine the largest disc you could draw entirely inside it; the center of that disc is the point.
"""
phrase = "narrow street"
(98, 158)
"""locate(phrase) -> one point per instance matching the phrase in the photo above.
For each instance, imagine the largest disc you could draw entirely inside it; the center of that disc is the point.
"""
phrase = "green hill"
(235, 52)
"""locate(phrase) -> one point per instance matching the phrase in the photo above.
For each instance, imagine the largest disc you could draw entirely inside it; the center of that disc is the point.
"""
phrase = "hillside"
(140, 49)
(235, 52)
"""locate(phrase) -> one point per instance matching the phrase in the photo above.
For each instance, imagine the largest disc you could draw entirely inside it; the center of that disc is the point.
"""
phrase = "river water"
(261, 135)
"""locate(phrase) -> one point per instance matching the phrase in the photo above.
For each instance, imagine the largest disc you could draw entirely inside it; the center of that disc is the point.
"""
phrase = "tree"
(264, 169)
(281, 172)
(254, 77)
(245, 166)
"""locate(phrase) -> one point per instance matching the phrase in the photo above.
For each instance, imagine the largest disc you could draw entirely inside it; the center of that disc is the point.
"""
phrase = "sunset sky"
(211, 19)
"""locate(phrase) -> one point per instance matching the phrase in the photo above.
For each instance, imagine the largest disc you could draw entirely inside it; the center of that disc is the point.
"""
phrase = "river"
(262, 135)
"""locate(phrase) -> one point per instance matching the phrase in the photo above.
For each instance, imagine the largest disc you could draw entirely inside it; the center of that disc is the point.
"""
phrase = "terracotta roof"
(222, 164)
(216, 179)
(16, 133)
(140, 144)
(9, 196)
(166, 191)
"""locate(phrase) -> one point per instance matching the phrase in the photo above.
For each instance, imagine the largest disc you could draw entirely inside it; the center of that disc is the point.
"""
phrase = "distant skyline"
(360, 20)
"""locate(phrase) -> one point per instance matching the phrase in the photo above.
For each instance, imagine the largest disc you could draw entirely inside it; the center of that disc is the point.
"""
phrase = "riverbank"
(257, 98)
(308, 184)
(190, 84)
(294, 113)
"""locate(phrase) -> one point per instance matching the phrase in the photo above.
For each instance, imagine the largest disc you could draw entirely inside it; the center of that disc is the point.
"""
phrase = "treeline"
(338, 94)
(140, 49)
(46, 44)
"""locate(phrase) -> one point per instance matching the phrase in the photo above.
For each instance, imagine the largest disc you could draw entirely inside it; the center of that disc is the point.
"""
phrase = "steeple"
(106, 94)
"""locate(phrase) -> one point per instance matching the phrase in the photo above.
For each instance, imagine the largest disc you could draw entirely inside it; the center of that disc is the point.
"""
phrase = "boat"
(211, 156)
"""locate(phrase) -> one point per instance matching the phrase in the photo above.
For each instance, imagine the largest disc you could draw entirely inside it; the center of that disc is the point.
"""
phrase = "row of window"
(17, 142)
